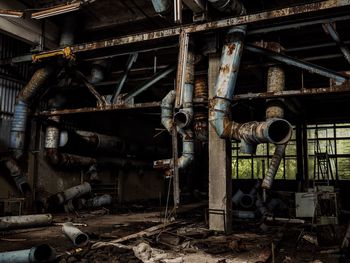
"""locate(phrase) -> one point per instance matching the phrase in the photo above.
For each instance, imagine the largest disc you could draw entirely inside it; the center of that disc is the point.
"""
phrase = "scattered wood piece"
(74, 224)
(13, 239)
(144, 233)
(286, 220)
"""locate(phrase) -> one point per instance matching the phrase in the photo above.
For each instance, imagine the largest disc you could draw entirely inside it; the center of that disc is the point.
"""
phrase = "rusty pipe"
(274, 109)
(275, 130)
(25, 97)
(167, 108)
(187, 156)
(184, 116)
(39, 254)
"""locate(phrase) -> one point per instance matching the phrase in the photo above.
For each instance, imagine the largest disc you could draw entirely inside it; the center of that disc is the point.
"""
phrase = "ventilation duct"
(233, 7)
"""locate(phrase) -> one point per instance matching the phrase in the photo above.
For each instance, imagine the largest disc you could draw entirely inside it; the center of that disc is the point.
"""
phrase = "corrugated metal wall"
(12, 79)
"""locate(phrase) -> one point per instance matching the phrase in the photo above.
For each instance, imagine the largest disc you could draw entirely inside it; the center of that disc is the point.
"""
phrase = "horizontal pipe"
(25, 221)
(242, 214)
(78, 237)
(38, 254)
(312, 68)
(233, 7)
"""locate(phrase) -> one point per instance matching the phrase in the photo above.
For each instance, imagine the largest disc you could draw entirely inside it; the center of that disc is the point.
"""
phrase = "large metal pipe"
(276, 131)
(187, 156)
(274, 109)
(69, 194)
(185, 115)
(167, 110)
(187, 136)
(162, 7)
(25, 221)
(78, 237)
(39, 254)
(18, 177)
(19, 122)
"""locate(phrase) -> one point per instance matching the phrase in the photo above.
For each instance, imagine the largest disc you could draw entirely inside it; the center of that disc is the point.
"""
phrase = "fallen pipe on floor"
(78, 237)
(69, 194)
(25, 221)
(97, 201)
(38, 254)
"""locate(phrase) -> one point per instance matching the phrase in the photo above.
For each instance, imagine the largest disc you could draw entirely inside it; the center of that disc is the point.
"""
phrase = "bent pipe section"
(78, 237)
(187, 156)
(276, 131)
(42, 253)
(19, 122)
(162, 7)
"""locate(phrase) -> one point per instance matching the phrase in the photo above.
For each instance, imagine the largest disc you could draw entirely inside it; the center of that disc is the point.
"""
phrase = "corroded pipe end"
(42, 253)
(183, 119)
(278, 131)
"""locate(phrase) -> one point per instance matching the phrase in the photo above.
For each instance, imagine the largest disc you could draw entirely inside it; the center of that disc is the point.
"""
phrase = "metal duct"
(200, 125)
(187, 136)
(19, 122)
(162, 7)
(19, 178)
(69, 194)
(275, 109)
(185, 115)
(39, 254)
(78, 237)
(26, 221)
(276, 131)
(233, 7)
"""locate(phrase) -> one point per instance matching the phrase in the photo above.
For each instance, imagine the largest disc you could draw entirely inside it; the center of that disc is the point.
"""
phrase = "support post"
(220, 170)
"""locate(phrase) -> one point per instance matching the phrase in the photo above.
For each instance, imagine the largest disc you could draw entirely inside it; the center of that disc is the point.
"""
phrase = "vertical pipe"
(178, 11)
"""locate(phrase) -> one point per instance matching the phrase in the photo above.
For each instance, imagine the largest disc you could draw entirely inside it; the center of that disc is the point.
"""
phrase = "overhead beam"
(26, 29)
(344, 88)
(224, 23)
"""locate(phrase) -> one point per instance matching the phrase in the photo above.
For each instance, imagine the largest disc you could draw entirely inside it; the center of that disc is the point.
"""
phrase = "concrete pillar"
(220, 166)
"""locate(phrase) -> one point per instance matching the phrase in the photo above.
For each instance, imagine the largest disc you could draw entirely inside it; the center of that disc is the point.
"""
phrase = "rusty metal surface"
(224, 23)
(344, 88)
(101, 108)
(181, 67)
(275, 83)
(274, 164)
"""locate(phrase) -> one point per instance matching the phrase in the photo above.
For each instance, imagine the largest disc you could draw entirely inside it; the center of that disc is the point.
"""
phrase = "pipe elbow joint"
(183, 118)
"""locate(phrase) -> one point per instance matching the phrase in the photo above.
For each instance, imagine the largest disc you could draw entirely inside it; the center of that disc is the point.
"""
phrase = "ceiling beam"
(28, 30)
